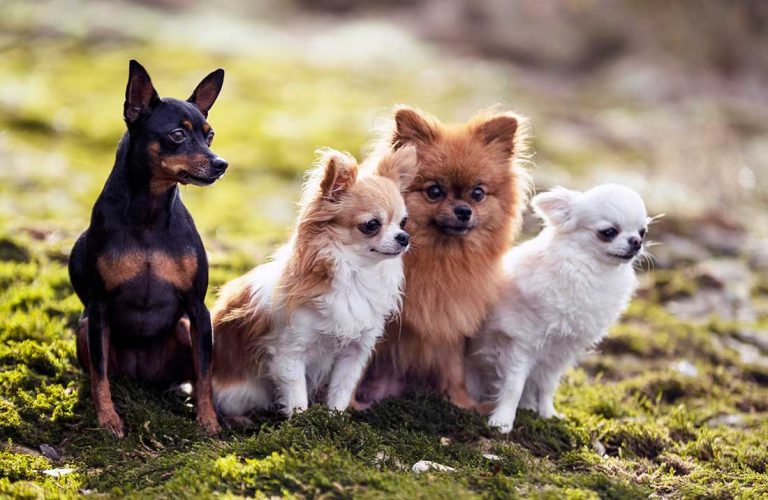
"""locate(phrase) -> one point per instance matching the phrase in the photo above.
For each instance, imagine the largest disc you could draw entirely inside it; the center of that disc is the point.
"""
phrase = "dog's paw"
(550, 412)
(503, 425)
(358, 406)
(111, 421)
(209, 424)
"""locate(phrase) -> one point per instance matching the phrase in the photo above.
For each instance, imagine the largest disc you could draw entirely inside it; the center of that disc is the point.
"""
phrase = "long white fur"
(326, 342)
(562, 292)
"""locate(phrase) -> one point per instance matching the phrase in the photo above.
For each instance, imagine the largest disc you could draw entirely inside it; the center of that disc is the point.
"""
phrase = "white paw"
(504, 425)
(550, 413)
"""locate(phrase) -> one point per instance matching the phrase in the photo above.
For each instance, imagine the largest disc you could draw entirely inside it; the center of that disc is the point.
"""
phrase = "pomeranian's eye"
(403, 222)
(371, 227)
(177, 136)
(209, 138)
(608, 234)
(642, 232)
(478, 194)
(435, 192)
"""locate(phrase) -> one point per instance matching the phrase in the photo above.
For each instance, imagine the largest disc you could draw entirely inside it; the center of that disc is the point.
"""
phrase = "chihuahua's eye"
(434, 192)
(403, 222)
(642, 232)
(478, 194)
(608, 234)
(209, 138)
(371, 227)
(177, 136)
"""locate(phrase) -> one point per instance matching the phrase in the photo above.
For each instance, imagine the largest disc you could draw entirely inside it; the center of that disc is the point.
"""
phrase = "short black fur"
(140, 269)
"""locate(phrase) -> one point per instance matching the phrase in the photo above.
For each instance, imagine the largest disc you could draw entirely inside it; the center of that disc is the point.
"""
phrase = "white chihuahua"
(562, 291)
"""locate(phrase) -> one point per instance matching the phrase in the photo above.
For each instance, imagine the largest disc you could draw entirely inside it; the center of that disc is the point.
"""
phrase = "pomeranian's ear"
(499, 129)
(555, 207)
(339, 174)
(411, 126)
(401, 166)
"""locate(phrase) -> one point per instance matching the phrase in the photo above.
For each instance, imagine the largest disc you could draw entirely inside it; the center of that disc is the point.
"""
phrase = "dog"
(465, 207)
(561, 292)
(301, 327)
(140, 269)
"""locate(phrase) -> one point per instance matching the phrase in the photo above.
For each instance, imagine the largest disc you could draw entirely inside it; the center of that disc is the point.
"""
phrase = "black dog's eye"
(403, 222)
(608, 234)
(478, 194)
(371, 227)
(177, 136)
(434, 192)
(209, 139)
(642, 232)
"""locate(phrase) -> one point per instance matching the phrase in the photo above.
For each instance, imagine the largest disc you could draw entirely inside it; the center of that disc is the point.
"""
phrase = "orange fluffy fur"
(450, 280)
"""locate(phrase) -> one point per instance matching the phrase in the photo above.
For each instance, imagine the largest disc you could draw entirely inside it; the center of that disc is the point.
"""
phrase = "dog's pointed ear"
(412, 127)
(499, 129)
(207, 91)
(140, 95)
(556, 207)
(339, 174)
(401, 166)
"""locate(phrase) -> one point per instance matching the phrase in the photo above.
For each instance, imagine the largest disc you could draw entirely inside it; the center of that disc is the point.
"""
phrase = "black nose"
(403, 238)
(219, 164)
(463, 212)
(635, 243)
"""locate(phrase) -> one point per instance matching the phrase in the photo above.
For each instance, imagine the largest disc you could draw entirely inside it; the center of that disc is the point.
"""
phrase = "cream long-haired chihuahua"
(562, 291)
(305, 324)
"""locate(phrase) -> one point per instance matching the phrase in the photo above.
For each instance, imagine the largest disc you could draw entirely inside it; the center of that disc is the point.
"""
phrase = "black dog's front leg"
(201, 335)
(98, 353)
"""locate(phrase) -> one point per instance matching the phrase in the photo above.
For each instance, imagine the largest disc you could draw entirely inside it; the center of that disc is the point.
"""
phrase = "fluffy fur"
(561, 292)
(305, 323)
(452, 274)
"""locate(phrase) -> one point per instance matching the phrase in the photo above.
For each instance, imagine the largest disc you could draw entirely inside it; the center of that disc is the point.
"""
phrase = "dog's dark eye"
(177, 136)
(434, 192)
(642, 232)
(209, 138)
(403, 222)
(608, 234)
(478, 194)
(371, 227)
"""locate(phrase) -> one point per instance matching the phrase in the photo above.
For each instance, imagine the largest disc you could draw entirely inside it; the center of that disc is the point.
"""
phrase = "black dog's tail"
(77, 269)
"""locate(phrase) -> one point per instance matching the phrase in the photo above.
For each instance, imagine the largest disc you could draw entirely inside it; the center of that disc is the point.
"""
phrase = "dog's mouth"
(187, 178)
(453, 229)
(389, 254)
(624, 257)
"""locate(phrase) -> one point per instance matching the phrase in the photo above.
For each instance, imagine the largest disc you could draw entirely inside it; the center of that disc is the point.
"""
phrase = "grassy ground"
(636, 422)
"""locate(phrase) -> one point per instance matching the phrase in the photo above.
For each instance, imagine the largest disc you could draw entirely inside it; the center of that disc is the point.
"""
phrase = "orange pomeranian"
(465, 207)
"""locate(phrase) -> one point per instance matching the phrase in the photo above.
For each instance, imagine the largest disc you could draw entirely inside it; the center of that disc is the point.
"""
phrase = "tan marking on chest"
(116, 269)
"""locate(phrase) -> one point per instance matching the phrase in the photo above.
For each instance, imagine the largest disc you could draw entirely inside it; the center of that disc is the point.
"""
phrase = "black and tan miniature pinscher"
(140, 269)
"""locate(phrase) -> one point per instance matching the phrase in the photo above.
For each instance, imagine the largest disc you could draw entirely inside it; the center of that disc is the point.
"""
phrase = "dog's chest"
(119, 267)
(360, 300)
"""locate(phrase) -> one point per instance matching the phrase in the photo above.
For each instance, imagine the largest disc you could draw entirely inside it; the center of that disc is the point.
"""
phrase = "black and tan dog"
(140, 269)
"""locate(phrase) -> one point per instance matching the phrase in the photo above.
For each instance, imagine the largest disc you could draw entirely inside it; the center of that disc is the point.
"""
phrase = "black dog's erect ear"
(140, 95)
(207, 91)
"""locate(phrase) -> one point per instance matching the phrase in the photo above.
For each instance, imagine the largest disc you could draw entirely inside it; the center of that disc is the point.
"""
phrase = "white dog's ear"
(556, 206)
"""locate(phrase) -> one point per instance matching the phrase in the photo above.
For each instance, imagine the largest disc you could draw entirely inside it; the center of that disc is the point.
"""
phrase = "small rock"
(50, 452)
(598, 447)
(426, 465)
(58, 472)
(732, 420)
(686, 368)
(445, 441)
(748, 353)
(491, 457)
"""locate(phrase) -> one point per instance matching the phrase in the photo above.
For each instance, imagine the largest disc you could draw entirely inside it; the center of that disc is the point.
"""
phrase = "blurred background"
(670, 98)
(667, 97)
